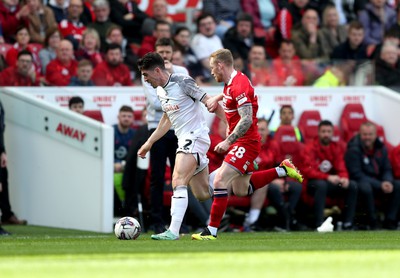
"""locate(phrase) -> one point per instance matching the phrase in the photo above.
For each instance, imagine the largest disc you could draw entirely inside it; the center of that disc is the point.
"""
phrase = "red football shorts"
(241, 156)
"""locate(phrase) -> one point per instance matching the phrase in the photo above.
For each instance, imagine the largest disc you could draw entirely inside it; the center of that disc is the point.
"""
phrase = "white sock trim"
(281, 172)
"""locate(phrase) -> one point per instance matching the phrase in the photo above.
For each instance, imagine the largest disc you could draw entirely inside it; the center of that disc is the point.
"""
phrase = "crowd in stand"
(275, 43)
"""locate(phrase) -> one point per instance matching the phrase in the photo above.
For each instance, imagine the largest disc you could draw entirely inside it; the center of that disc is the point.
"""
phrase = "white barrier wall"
(381, 105)
(60, 164)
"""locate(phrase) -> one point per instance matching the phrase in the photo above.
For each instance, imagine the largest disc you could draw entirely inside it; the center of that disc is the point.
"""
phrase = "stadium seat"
(289, 147)
(337, 137)
(308, 124)
(137, 119)
(35, 47)
(94, 114)
(4, 47)
(352, 117)
(395, 161)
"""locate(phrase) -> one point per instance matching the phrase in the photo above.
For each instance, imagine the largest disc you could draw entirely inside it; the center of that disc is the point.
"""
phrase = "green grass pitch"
(47, 252)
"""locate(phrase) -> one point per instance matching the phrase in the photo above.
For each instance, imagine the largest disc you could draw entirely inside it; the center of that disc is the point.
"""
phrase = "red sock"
(262, 178)
(218, 207)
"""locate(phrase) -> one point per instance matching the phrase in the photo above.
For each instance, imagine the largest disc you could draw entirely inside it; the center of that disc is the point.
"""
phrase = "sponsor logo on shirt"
(169, 108)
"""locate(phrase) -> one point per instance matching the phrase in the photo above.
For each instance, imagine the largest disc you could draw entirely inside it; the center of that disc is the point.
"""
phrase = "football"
(127, 228)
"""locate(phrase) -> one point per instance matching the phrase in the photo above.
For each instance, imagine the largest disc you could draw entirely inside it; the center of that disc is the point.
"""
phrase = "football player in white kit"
(181, 100)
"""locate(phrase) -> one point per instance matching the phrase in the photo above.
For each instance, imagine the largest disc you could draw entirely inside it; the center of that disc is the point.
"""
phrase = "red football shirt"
(237, 93)
(11, 77)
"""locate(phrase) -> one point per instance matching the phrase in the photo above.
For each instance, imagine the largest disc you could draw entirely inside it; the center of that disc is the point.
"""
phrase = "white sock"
(281, 172)
(212, 230)
(179, 204)
(252, 216)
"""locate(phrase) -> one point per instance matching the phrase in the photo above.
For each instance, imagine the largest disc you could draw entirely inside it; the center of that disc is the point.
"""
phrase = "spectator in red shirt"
(60, 70)
(112, 71)
(257, 66)
(287, 69)
(22, 37)
(72, 28)
(162, 29)
(22, 74)
(12, 15)
(326, 171)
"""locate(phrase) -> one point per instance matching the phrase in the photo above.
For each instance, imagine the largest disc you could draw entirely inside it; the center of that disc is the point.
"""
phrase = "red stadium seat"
(308, 124)
(352, 117)
(395, 161)
(35, 47)
(337, 137)
(4, 47)
(289, 146)
(94, 114)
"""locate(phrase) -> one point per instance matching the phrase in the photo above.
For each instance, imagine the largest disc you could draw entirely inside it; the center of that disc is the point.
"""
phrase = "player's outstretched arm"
(163, 126)
(212, 102)
(219, 111)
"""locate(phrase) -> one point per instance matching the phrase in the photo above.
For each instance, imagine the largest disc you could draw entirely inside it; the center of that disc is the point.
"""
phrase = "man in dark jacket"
(368, 164)
(353, 48)
(7, 217)
(240, 38)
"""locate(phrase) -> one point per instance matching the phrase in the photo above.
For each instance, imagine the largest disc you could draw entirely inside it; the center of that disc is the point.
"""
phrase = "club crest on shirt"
(64, 71)
(325, 166)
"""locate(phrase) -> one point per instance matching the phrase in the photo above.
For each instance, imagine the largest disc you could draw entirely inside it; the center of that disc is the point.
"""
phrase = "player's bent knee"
(202, 196)
(240, 192)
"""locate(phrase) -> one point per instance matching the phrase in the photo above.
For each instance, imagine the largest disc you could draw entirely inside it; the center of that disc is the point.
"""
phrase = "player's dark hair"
(203, 16)
(356, 25)
(113, 46)
(161, 22)
(325, 123)
(24, 52)
(164, 42)
(286, 106)
(75, 100)
(151, 61)
(126, 108)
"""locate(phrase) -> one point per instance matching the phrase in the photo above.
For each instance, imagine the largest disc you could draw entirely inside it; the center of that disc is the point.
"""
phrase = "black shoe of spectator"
(185, 229)
(348, 227)
(389, 225)
(158, 228)
(4, 232)
(225, 223)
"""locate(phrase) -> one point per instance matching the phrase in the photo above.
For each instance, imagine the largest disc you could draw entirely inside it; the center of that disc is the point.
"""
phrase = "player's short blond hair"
(223, 56)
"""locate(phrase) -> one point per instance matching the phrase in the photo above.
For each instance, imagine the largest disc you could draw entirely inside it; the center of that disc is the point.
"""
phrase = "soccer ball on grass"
(127, 228)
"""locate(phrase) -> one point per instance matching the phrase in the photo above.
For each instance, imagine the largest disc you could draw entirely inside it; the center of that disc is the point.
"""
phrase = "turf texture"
(47, 252)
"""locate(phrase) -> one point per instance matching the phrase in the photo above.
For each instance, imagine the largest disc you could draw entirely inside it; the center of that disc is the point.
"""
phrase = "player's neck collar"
(233, 74)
